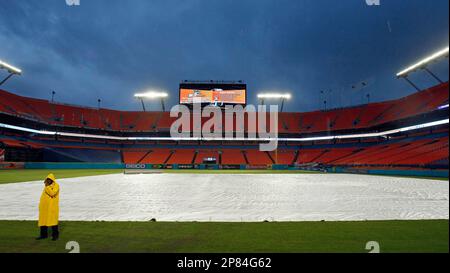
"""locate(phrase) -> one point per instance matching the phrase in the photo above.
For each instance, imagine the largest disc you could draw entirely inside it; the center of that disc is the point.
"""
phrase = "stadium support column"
(6, 79)
(282, 104)
(411, 83)
(163, 106)
(143, 104)
(321, 99)
(433, 75)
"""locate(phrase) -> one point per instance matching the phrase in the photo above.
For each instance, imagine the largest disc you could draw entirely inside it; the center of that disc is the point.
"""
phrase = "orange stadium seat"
(309, 156)
(233, 157)
(285, 157)
(202, 154)
(157, 156)
(310, 122)
(256, 157)
(134, 157)
(181, 156)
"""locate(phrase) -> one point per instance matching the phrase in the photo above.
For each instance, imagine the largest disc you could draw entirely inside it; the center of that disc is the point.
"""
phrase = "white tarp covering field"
(234, 197)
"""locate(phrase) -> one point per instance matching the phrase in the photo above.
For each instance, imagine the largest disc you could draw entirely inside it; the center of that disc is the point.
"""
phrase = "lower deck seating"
(233, 157)
(182, 156)
(329, 156)
(403, 153)
(157, 156)
(134, 157)
(204, 154)
(309, 156)
(418, 153)
(256, 157)
(283, 157)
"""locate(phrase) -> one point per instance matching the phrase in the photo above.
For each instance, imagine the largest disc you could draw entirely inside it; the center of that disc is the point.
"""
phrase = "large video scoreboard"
(213, 93)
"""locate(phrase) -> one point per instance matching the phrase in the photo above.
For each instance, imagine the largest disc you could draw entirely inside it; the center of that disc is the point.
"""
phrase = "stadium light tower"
(423, 65)
(282, 97)
(142, 102)
(152, 95)
(12, 70)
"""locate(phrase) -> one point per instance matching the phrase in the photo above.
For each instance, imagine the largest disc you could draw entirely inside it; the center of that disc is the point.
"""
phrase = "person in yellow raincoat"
(49, 209)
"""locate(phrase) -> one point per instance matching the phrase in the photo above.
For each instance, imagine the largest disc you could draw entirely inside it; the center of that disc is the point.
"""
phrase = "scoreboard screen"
(213, 93)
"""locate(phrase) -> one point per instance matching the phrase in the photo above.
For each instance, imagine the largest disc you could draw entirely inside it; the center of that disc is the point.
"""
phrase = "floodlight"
(274, 96)
(152, 95)
(423, 63)
(11, 69)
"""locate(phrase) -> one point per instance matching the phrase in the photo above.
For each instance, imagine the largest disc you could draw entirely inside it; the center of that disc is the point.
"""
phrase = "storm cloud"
(110, 49)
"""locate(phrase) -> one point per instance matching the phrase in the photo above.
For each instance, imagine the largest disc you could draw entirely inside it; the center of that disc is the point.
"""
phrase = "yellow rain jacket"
(49, 204)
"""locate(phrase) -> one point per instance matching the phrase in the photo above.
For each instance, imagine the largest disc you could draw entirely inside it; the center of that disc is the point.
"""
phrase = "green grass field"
(283, 237)
(286, 237)
(16, 176)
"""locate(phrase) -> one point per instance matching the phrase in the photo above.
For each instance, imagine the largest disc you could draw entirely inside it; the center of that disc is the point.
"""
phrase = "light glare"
(351, 136)
(424, 62)
(10, 68)
(152, 95)
(274, 96)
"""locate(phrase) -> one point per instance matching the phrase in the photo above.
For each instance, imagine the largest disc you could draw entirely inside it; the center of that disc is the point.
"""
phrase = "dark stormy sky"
(110, 49)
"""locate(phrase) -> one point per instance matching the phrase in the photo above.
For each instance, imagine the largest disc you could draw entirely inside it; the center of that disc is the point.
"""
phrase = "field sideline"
(217, 237)
(16, 176)
(178, 237)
